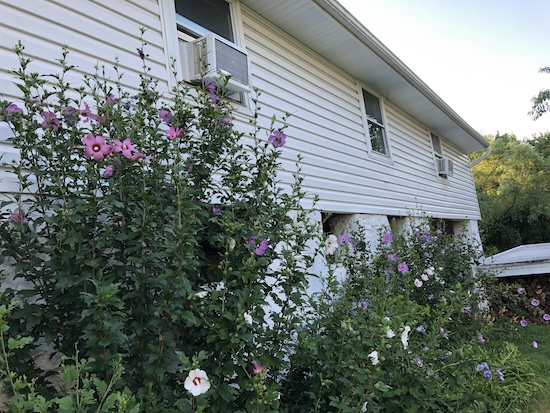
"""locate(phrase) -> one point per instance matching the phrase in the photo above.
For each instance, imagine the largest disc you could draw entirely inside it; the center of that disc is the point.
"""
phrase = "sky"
(482, 57)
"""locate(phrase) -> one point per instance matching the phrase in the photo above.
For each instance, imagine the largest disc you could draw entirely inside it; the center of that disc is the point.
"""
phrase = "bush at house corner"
(144, 259)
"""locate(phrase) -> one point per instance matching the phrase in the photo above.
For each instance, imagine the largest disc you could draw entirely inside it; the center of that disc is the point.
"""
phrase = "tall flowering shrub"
(405, 330)
(142, 231)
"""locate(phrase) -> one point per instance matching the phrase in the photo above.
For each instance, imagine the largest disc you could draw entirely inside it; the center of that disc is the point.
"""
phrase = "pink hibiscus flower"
(96, 147)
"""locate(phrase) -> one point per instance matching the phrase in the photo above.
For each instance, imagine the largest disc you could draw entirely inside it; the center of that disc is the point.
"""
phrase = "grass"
(540, 357)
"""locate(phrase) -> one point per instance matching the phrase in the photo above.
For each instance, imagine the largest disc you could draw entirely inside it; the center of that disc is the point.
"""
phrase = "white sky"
(480, 56)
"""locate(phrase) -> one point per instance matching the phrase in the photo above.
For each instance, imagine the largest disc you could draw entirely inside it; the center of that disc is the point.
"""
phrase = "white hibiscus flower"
(197, 382)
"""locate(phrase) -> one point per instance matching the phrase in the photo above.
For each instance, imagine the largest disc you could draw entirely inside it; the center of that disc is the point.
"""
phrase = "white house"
(377, 142)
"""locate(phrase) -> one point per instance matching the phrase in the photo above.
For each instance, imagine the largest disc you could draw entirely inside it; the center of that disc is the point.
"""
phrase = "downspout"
(482, 157)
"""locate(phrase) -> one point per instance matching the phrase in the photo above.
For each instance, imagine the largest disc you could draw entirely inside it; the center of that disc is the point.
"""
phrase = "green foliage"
(160, 259)
(541, 102)
(513, 186)
(540, 359)
(142, 250)
(83, 393)
(404, 338)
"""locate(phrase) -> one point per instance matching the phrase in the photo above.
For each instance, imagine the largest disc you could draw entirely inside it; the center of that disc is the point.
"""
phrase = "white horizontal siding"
(326, 127)
(326, 123)
(95, 32)
(94, 35)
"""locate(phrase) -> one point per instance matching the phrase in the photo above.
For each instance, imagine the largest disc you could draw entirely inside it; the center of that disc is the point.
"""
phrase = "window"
(445, 166)
(196, 18)
(436, 143)
(218, 24)
(375, 123)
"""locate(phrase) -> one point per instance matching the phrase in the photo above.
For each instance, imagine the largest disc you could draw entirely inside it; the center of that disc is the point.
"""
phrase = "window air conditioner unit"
(212, 55)
(445, 167)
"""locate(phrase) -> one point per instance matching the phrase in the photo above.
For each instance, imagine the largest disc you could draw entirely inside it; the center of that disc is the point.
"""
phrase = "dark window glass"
(436, 142)
(377, 133)
(212, 15)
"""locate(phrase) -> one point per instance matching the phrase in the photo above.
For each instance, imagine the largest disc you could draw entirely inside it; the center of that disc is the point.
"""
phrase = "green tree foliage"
(541, 144)
(147, 239)
(513, 187)
(541, 102)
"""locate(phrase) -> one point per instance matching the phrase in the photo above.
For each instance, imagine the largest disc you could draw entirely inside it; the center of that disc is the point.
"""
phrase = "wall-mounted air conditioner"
(445, 167)
(212, 55)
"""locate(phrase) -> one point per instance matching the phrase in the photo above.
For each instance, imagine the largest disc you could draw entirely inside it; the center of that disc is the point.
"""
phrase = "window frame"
(366, 119)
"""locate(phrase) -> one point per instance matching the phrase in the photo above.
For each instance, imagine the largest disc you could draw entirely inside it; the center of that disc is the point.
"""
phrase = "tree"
(541, 144)
(513, 188)
(541, 102)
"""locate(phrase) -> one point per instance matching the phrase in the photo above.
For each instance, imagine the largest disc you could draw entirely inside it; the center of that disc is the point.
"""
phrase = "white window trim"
(387, 158)
(167, 9)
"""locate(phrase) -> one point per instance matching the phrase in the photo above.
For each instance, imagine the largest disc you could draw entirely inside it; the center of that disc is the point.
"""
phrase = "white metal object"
(211, 56)
(445, 167)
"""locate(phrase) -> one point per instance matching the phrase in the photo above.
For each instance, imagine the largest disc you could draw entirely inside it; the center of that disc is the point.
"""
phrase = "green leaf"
(66, 404)
(19, 342)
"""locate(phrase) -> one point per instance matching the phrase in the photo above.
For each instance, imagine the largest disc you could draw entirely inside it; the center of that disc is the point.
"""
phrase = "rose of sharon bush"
(416, 335)
(133, 246)
(145, 250)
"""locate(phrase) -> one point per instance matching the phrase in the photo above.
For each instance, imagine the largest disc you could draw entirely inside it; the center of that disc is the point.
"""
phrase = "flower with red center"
(197, 382)
(403, 268)
(277, 139)
(387, 237)
(50, 121)
(174, 133)
(331, 244)
(96, 147)
(125, 147)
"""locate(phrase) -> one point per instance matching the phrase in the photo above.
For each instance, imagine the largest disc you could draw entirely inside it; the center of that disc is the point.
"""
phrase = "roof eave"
(369, 61)
(347, 20)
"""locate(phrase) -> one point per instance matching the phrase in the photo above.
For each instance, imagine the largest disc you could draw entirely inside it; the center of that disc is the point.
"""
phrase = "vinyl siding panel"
(326, 125)
(96, 33)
